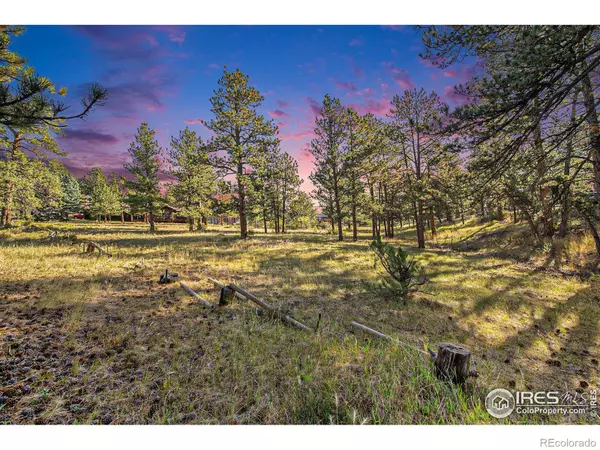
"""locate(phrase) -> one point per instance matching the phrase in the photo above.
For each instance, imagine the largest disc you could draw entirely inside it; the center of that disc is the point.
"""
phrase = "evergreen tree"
(328, 155)
(195, 187)
(240, 133)
(144, 191)
(70, 202)
(417, 119)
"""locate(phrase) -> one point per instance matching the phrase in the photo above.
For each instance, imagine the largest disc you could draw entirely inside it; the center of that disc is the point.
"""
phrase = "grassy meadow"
(88, 339)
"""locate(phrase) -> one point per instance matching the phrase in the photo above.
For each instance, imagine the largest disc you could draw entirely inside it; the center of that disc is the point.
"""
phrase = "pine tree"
(195, 187)
(290, 184)
(70, 202)
(417, 119)
(28, 99)
(327, 151)
(240, 133)
(144, 191)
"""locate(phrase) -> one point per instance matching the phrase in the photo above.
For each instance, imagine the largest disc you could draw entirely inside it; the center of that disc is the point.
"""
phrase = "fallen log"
(451, 362)
(366, 329)
(92, 245)
(269, 308)
(195, 295)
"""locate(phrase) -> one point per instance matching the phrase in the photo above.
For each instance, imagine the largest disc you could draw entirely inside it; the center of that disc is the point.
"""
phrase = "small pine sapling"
(403, 269)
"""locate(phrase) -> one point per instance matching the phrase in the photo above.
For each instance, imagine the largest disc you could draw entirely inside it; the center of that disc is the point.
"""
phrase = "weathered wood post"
(453, 362)
(226, 296)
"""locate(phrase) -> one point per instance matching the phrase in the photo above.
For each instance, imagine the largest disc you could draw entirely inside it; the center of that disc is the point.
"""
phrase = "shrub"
(402, 268)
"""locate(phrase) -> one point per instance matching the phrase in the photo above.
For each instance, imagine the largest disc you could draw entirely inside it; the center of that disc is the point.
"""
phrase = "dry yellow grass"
(91, 339)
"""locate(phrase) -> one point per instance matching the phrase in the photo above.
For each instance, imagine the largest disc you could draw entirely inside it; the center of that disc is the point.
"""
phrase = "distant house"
(171, 214)
(220, 220)
(321, 218)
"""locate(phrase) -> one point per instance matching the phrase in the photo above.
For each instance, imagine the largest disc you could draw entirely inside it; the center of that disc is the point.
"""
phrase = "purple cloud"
(174, 32)
(278, 114)
(346, 85)
(313, 105)
(194, 121)
(89, 135)
(400, 76)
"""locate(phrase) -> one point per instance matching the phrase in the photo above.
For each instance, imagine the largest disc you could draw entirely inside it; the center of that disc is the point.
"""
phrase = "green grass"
(119, 348)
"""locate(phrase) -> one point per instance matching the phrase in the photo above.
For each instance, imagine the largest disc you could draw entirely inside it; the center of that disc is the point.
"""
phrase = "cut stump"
(227, 295)
(452, 362)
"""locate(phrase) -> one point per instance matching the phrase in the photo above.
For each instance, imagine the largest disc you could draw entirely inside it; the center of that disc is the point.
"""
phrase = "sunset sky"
(165, 75)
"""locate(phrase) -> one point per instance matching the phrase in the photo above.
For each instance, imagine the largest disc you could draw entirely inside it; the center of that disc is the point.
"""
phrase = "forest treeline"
(524, 142)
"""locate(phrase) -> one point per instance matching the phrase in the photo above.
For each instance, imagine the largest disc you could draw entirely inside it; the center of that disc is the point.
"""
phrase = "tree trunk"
(594, 231)
(354, 223)
(242, 203)
(515, 214)
(594, 130)
(566, 200)
(190, 223)
(385, 227)
(338, 213)
(283, 215)
(10, 186)
(373, 215)
(265, 221)
(432, 223)
(151, 221)
(122, 216)
(544, 190)
(419, 224)
(8, 201)
(199, 226)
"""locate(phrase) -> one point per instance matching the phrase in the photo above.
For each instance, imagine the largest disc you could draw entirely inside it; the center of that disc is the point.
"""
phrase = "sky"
(165, 75)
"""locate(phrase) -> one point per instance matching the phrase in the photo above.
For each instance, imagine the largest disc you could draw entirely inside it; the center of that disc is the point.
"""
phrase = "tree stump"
(168, 277)
(226, 296)
(452, 362)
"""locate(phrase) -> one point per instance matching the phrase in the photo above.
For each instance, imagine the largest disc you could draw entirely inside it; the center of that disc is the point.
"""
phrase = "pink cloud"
(451, 96)
(313, 105)
(346, 85)
(282, 103)
(400, 76)
(175, 33)
(384, 86)
(307, 67)
(155, 107)
(461, 74)
(372, 106)
(393, 27)
(356, 70)
(278, 114)
(297, 136)
(194, 121)
(355, 42)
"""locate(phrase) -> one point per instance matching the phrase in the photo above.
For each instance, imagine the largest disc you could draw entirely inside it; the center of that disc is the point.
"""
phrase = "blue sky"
(165, 75)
